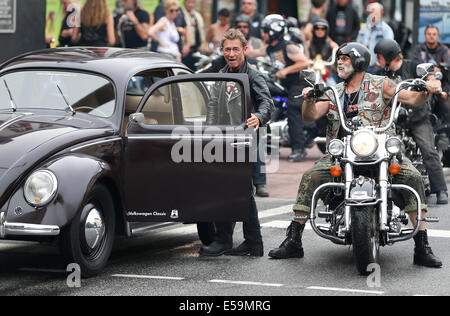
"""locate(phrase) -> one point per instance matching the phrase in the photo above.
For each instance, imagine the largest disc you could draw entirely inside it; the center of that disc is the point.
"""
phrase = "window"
(58, 90)
(196, 102)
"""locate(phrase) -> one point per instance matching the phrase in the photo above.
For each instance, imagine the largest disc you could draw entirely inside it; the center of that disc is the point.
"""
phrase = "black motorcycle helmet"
(359, 55)
(275, 26)
(389, 49)
(244, 19)
(321, 22)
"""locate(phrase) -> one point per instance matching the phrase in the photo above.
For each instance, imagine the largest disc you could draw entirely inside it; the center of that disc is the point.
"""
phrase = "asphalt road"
(165, 262)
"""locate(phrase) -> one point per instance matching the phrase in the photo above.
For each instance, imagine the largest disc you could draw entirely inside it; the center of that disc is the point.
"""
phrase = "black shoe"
(442, 197)
(247, 249)
(261, 190)
(215, 249)
(297, 155)
(423, 255)
(292, 245)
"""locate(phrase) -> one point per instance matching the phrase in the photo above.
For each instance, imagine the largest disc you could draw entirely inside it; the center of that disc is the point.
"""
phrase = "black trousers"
(295, 120)
(424, 137)
(252, 228)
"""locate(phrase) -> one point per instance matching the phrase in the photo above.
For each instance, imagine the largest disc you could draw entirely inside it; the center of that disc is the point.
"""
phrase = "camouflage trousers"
(320, 174)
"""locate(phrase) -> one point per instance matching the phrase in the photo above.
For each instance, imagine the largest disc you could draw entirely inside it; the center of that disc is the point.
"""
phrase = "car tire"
(206, 232)
(89, 239)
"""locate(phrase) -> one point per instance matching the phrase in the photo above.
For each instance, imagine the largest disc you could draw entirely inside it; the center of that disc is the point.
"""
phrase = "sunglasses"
(320, 28)
(242, 26)
(174, 10)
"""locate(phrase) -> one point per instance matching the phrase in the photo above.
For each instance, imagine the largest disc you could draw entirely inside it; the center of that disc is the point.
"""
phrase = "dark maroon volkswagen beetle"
(96, 141)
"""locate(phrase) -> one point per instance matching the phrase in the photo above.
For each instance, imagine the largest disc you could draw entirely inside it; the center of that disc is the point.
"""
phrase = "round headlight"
(40, 188)
(336, 147)
(393, 145)
(364, 143)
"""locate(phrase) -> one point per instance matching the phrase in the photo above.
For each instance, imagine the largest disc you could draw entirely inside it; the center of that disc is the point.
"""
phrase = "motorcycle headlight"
(393, 145)
(364, 143)
(336, 147)
(40, 188)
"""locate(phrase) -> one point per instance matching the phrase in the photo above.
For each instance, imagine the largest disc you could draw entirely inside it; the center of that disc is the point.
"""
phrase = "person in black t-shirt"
(134, 25)
(394, 67)
(344, 22)
(65, 36)
(194, 33)
(290, 55)
(438, 54)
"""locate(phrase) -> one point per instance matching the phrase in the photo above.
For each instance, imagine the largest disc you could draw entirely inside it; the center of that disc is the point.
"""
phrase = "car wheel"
(89, 239)
(206, 232)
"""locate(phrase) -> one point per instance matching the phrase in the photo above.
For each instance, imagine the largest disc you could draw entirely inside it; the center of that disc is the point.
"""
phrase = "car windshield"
(57, 90)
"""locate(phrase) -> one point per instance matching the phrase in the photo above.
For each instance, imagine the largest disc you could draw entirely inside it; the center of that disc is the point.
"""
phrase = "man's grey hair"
(233, 34)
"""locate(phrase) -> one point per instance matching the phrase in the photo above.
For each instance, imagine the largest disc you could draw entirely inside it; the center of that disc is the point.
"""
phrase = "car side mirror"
(137, 118)
(425, 69)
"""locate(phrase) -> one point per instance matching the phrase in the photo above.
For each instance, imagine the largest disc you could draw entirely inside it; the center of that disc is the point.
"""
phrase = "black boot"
(292, 245)
(423, 255)
(442, 197)
(215, 249)
(247, 249)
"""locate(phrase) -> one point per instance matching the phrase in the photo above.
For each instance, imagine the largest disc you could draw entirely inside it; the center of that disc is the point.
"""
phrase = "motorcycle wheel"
(365, 238)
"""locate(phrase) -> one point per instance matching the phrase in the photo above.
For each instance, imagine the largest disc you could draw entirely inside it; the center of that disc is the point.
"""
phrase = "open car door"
(187, 153)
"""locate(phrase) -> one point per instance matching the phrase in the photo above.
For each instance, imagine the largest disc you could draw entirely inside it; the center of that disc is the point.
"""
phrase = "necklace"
(351, 102)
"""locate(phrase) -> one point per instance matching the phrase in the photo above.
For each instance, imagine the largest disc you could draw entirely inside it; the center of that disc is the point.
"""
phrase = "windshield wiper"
(65, 100)
(11, 100)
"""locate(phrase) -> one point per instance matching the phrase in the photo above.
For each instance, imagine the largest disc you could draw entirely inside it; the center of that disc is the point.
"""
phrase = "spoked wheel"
(88, 240)
(365, 238)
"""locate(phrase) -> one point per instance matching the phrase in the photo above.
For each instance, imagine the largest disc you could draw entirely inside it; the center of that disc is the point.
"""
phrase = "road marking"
(335, 289)
(42, 270)
(287, 209)
(246, 283)
(135, 276)
(438, 233)
(285, 224)
(282, 225)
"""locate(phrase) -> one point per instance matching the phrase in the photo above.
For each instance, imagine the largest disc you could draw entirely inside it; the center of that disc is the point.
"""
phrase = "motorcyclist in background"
(396, 68)
(321, 43)
(362, 94)
(291, 56)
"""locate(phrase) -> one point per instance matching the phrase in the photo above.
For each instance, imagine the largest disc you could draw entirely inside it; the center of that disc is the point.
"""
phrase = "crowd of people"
(364, 50)
(181, 32)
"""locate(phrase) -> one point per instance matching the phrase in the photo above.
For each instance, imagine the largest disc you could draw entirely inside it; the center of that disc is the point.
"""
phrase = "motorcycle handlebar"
(414, 83)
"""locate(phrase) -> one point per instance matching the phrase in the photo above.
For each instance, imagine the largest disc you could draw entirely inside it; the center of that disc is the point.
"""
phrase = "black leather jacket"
(230, 110)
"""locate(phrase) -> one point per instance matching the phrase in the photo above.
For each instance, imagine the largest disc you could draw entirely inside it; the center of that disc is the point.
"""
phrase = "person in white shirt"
(373, 31)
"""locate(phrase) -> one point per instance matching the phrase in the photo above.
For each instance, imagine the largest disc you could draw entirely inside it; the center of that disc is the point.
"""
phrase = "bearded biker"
(361, 94)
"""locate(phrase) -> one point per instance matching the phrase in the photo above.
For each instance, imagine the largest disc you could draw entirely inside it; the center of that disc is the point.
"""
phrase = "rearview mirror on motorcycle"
(425, 69)
(310, 76)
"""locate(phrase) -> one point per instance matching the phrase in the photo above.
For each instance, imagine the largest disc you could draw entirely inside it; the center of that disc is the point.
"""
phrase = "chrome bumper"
(23, 229)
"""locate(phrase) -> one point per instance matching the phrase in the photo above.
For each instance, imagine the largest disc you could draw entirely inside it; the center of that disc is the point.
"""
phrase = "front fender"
(76, 174)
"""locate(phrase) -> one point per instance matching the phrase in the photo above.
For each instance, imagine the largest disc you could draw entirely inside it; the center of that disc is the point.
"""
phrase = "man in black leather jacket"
(396, 68)
(233, 47)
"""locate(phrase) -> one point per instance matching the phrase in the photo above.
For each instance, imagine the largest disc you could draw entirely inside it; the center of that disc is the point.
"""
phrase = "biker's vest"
(320, 47)
(279, 53)
(371, 107)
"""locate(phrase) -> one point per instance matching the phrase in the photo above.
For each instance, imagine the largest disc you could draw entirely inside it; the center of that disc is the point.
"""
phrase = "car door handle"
(241, 144)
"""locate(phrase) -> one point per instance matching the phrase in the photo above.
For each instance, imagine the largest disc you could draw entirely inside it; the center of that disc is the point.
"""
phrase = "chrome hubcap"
(94, 229)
